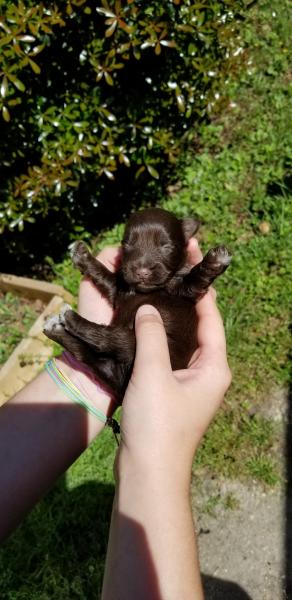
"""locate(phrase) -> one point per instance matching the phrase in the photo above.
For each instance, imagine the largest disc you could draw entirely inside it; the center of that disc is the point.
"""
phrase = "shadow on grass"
(58, 552)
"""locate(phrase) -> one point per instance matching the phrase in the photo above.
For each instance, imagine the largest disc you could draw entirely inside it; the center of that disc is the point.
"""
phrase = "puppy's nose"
(143, 273)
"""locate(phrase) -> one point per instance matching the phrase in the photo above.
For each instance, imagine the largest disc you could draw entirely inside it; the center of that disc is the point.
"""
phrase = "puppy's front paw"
(220, 256)
(80, 255)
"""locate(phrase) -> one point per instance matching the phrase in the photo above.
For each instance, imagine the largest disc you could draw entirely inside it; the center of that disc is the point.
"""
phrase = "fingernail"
(147, 309)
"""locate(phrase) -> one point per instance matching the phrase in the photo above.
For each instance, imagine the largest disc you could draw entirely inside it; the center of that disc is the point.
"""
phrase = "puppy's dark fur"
(153, 270)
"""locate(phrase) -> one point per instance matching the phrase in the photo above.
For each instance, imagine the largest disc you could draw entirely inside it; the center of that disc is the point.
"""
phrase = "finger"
(152, 354)
(110, 257)
(91, 304)
(194, 253)
(210, 329)
(207, 311)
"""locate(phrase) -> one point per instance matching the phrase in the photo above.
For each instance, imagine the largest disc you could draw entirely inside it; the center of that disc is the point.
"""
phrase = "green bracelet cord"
(70, 390)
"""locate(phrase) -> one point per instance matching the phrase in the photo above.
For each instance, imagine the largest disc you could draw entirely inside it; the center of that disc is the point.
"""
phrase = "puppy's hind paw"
(63, 311)
(52, 324)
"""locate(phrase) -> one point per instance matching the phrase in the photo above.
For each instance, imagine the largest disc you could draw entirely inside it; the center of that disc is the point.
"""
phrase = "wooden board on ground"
(33, 351)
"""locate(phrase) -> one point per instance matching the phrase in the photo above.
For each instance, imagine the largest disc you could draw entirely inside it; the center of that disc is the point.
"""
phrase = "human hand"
(166, 413)
(91, 303)
(94, 307)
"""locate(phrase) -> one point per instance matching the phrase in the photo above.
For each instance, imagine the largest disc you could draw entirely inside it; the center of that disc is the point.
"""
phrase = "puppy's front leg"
(196, 283)
(89, 266)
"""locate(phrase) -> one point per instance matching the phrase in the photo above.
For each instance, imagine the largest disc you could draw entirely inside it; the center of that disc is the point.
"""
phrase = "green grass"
(240, 180)
(218, 501)
(236, 179)
(16, 317)
(58, 552)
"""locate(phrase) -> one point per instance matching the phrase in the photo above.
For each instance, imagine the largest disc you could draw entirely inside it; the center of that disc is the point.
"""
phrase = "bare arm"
(152, 550)
(42, 432)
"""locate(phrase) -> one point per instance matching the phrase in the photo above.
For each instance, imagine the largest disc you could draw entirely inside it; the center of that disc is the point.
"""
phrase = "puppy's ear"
(190, 227)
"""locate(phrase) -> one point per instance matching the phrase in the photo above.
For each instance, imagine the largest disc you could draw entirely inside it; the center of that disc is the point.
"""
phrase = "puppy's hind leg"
(55, 331)
(108, 371)
(117, 343)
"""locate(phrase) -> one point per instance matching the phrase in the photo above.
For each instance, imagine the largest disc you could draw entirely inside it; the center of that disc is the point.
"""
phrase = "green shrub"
(90, 92)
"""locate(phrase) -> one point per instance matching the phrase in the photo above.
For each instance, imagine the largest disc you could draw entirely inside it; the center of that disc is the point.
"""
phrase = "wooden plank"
(33, 288)
(30, 355)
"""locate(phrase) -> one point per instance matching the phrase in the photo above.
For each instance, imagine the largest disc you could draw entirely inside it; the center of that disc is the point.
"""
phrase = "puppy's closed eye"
(167, 249)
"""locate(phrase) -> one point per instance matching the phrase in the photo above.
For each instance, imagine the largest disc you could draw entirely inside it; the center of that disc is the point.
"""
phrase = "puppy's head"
(154, 247)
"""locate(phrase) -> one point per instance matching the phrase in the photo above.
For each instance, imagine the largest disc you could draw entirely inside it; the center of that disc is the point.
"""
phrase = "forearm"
(42, 432)
(152, 550)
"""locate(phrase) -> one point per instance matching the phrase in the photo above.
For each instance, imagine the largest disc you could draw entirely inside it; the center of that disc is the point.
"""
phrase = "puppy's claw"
(78, 252)
(63, 311)
(72, 248)
(52, 324)
(220, 255)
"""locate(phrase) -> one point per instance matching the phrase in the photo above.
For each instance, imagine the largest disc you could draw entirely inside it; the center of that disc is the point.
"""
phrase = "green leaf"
(152, 171)
(169, 44)
(108, 78)
(105, 12)
(19, 85)
(25, 38)
(34, 66)
(5, 114)
(111, 29)
(37, 49)
(139, 172)
(109, 174)
(4, 87)
(157, 49)
(124, 159)
(181, 103)
(137, 54)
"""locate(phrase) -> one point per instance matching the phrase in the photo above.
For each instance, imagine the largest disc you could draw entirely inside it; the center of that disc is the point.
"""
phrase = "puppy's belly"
(179, 318)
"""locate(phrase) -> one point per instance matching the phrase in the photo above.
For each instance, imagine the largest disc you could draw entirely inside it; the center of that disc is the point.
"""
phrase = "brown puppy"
(153, 271)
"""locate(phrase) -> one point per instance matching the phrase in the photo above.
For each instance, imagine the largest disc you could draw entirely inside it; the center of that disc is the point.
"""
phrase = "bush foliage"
(90, 92)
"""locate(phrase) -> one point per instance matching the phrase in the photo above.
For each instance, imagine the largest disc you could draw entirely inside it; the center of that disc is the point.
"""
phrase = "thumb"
(152, 352)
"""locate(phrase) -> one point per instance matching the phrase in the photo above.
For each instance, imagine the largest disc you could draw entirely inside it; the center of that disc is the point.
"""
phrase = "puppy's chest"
(128, 302)
(173, 309)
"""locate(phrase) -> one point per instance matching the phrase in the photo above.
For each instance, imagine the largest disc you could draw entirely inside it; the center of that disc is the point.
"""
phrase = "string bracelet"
(72, 392)
(80, 367)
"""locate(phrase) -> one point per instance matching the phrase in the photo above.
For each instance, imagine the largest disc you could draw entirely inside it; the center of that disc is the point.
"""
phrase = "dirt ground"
(245, 550)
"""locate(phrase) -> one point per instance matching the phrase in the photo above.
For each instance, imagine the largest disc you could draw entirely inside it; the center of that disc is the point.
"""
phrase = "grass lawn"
(17, 314)
(237, 180)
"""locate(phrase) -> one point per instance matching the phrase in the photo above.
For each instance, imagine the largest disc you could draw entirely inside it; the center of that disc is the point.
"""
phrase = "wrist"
(152, 473)
(83, 378)
(97, 397)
